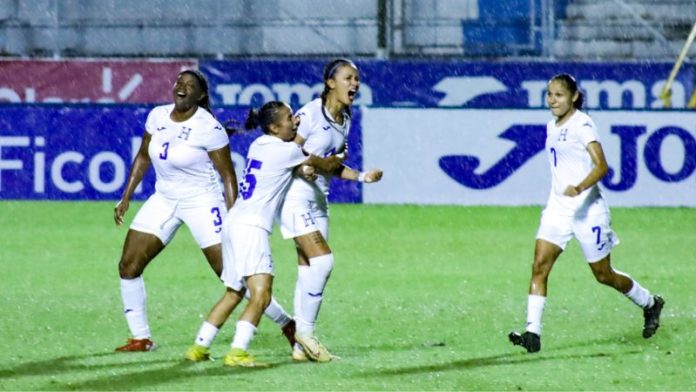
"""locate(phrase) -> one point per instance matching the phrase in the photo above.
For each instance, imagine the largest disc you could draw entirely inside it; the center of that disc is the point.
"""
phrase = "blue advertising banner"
(497, 156)
(83, 152)
(450, 84)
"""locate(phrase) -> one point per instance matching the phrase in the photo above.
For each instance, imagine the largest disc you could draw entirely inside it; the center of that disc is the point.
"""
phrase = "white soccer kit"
(245, 243)
(585, 216)
(179, 152)
(306, 207)
(187, 188)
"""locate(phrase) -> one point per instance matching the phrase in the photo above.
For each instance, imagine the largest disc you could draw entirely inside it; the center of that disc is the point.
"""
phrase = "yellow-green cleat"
(239, 357)
(198, 353)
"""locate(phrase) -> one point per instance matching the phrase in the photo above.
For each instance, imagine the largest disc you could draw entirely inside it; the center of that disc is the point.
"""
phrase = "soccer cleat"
(652, 317)
(298, 355)
(137, 345)
(239, 357)
(313, 348)
(289, 332)
(528, 340)
(198, 353)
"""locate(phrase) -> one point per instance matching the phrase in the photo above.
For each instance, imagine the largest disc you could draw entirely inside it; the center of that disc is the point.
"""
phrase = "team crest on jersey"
(563, 135)
(185, 133)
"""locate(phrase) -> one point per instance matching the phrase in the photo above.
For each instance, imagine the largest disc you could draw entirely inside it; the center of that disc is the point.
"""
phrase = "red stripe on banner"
(82, 81)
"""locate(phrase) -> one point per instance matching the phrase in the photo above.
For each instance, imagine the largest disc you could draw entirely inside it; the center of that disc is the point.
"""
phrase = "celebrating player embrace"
(272, 161)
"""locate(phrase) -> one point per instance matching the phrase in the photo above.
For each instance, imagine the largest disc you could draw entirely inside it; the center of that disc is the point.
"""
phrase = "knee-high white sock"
(243, 334)
(134, 307)
(312, 281)
(297, 299)
(640, 296)
(297, 302)
(206, 334)
(535, 309)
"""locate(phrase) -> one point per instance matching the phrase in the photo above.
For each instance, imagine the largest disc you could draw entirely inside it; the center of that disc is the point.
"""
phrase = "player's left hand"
(571, 191)
(373, 175)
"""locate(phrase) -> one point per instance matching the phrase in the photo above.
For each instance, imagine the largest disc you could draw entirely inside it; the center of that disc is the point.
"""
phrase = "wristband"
(361, 177)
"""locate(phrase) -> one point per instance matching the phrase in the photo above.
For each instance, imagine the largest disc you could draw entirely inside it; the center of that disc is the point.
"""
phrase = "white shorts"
(246, 251)
(202, 214)
(298, 217)
(593, 232)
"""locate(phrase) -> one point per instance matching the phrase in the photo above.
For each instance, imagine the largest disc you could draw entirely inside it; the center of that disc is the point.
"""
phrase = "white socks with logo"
(134, 307)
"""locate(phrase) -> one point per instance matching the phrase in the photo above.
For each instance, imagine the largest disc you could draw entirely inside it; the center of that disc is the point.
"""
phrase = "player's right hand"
(373, 175)
(308, 173)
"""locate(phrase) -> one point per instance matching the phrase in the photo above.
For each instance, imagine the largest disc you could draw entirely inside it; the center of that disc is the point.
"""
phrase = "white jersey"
(268, 173)
(323, 137)
(179, 152)
(570, 163)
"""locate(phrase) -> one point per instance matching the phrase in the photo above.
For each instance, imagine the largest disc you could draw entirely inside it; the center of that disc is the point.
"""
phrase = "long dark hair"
(262, 118)
(572, 85)
(329, 71)
(205, 101)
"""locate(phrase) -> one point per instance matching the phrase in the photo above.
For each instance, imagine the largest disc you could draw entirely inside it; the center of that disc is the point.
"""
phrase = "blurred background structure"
(464, 79)
(227, 29)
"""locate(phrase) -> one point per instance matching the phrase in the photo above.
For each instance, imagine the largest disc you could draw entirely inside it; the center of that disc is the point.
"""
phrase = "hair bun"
(252, 120)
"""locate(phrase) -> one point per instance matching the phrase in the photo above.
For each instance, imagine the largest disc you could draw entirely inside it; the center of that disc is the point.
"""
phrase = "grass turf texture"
(421, 298)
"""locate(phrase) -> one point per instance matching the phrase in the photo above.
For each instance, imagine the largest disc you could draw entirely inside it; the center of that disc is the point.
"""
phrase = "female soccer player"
(185, 146)
(576, 208)
(304, 215)
(247, 263)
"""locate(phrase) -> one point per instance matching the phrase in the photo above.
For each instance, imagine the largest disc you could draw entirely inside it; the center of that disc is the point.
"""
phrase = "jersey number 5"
(248, 183)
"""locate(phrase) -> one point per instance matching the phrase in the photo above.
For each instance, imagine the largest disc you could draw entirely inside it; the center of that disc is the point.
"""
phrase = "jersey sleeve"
(151, 121)
(218, 138)
(588, 132)
(212, 136)
(294, 155)
(306, 123)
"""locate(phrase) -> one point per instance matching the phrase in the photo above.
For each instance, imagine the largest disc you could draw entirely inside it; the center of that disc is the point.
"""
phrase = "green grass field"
(422, 298)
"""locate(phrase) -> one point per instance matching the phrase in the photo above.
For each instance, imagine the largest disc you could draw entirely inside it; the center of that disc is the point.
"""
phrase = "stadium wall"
(444, 132)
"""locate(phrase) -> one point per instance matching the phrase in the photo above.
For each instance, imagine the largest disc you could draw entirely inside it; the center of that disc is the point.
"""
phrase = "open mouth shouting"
(352, 93)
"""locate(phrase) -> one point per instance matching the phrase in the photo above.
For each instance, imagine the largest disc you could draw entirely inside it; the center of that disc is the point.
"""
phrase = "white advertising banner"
(496, 157)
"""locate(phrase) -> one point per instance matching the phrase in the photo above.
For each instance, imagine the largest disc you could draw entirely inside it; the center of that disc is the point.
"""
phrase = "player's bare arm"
(223, 163)
(598, 172)
(140, 165)
(326, 165)
(347, 173)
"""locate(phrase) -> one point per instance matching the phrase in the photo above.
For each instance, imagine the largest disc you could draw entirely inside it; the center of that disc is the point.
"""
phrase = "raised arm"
(138, 169)
(327, 166)
(347, 173)
(223, 163)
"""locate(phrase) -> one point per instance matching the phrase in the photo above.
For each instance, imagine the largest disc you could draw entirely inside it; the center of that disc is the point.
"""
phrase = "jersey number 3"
(165, 151)
(248, 183)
